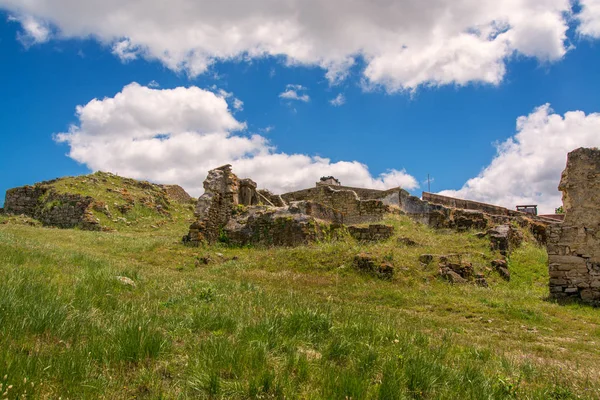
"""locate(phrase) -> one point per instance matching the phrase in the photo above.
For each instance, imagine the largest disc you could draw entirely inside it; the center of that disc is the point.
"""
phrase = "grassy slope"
(116, 191)
(274, 323)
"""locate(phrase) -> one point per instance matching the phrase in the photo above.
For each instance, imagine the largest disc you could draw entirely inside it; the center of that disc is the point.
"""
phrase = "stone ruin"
(574, 246)
(71, 210)
(235, 211)
(62, 210)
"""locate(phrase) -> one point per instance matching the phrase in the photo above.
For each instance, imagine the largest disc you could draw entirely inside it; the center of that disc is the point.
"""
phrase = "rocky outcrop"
(574, 246)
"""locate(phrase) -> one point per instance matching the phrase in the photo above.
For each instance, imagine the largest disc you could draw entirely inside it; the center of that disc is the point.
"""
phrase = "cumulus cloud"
(404, 43)
(177, 135)
(589, 18)
(295, 92)
(34, 30)
(125, 50)
(528, 166)
(338, 100)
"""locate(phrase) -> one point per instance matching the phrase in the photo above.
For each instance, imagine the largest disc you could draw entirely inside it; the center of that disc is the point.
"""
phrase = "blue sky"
(398, 122)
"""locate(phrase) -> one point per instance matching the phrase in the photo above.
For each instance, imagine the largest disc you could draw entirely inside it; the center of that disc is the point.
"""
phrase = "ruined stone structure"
(216, 205)
(235, 210)
(574, 246)
(371, 233)
(56, 208)
(62, 210)
(329, 180)
(356, 209)
(232, 210)
(298, 224)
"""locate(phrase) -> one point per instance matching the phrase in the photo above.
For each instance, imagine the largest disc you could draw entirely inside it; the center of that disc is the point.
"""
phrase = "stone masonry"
(574, 246)
(232, 210)
(371, 233)
(62, 210)
(215, 206)
(354, 209)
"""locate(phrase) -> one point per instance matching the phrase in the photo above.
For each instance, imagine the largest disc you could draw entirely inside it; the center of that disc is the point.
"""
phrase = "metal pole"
(428, 184)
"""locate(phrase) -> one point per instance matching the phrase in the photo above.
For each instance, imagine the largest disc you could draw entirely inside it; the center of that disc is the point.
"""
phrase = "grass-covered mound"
(123, 204)
(220, 322)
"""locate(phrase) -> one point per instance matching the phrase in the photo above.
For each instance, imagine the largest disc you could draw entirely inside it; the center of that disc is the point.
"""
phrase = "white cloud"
(153, 84)
(338, 100)
(528, 166)
(177, 135)
(589, 18)
(238, 104)
(125, 50)
(295, 92)
(34, 30)
(404, 43)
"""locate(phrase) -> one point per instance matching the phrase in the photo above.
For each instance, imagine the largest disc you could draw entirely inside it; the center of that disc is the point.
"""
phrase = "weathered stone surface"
(407, 242)
(43, 203)
(501, 266)
(574, 246)
(371, 233)
(452, 276)
(215, 206)
(276, 226)
(354, 208)
(367, 263)
(233, 210)
(177, 193)
(504, 238)
(269, 198)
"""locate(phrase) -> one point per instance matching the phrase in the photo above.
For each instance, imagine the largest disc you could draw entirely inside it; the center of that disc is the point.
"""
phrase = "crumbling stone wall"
(354, 209)
(574, 246)
(215, 206)
(61, 210)
(282, 226)
(24, 200)
(271, 199)
(232, 210)
(371, 233)
(467, 204)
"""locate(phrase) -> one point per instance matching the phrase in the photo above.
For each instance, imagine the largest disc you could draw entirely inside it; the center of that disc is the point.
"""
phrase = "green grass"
(280, 322)
(115, 192)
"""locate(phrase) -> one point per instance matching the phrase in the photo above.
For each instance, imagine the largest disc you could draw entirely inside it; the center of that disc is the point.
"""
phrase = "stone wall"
(215, 206)
(355, 209)
(371, 233)
(269, 198)
(51, 208)
(468, 204)
(574, 246)
(24, 200)
(282, 226)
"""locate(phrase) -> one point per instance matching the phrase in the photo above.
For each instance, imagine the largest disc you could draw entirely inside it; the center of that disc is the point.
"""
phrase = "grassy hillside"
(126, 204)
(219, 322)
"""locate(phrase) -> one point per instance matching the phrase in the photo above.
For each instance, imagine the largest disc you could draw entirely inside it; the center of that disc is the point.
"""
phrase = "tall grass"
(279, 323)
